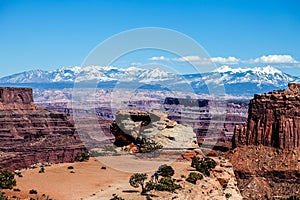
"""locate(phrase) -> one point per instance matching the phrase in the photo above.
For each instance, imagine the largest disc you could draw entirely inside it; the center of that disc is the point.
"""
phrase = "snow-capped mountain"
(26, 77)
(238, 81)
(89, 73)
(249, 81)
(258, 75)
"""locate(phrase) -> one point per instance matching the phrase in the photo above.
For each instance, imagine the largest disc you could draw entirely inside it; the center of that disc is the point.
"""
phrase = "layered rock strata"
(262, 170)
(273, 120)
(266, 154)
(29, 134)
(212, 127)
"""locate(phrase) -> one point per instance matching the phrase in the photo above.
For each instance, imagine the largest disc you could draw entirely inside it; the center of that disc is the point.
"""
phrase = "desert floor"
(88, 182)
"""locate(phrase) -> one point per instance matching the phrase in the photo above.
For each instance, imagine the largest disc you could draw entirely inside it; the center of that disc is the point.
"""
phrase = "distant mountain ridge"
(237, 81)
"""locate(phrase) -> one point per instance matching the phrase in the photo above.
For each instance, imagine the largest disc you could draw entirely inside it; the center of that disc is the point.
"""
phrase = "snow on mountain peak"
(223, 68)
(263, 70)
(267, 70)
(226, 75)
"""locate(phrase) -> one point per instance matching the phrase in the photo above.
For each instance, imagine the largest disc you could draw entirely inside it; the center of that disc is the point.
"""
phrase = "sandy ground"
(89, 182)
(59, 183)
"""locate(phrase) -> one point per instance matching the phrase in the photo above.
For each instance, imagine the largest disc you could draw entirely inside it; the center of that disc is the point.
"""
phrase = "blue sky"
(51, 34)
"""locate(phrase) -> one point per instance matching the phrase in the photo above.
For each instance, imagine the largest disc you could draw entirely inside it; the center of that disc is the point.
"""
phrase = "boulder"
(134, 126)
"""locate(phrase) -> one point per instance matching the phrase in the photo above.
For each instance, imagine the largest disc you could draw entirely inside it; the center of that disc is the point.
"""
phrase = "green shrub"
(116, 197)
(137, 180)
(19, 174)
(210, 163)
(150, 186)
(167, 184)
(203, 165)
(195, 161)
(32, 191)
(165, 171)
(42, 170)
(2, 196)
(148, 146)
(80, 157)
(193, 177)
(228, 195)
(7, 180)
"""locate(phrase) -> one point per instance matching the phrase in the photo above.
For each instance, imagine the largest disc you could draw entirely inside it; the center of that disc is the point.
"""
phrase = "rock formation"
(262, 170)
(217, 186)
(266, 154)
(29, 134)
(132, 126)
(16, 95)
(273, 120)
(212, 130)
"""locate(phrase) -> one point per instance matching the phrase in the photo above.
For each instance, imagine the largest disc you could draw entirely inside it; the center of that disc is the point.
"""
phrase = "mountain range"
(237, 81)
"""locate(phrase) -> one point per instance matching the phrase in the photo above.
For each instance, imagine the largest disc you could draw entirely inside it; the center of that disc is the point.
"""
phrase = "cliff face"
(266, 157)
(212, 130)
(29, 134)
(16, 95)
(273, 120)
(262, 170)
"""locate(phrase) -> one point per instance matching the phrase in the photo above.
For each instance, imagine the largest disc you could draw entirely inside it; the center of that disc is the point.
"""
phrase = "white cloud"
(198, 59)
(228, 60)
(280, 59)
(231, 60)
(189, 59)
(162, 58)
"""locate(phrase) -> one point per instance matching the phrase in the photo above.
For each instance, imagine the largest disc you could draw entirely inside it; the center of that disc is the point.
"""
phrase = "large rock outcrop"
(133, 126)
(266, 154)
(217, 186)
(213, 128)
(29, 134)
(273, 120)
(262, 170)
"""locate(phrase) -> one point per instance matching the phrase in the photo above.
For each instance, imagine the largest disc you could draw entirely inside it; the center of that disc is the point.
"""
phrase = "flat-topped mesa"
(16, 95)
(273, 120)
(294, 87)
(16, 99)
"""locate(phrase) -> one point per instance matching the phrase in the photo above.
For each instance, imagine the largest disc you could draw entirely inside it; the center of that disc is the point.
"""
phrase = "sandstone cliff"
(273, 120)
(29, 134)
(262, 170)
(266, 154)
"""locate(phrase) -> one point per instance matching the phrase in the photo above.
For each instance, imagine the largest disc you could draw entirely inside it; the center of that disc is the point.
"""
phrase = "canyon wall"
(266, 154)
(273, 120)
(29, 134)
(16, 95)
